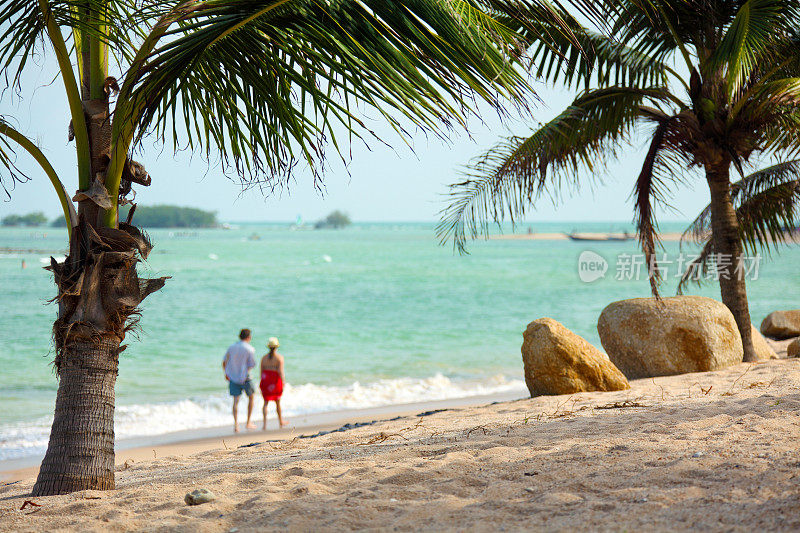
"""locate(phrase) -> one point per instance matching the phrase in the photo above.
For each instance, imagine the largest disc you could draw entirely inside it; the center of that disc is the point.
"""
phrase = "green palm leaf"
(583, 56)
(747, 39)
(23, 27)
(8, 162)
(519, 170)
(267, 83)
(765, 217)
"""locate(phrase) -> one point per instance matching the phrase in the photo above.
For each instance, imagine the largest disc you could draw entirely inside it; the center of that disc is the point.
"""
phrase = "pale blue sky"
(383, 184)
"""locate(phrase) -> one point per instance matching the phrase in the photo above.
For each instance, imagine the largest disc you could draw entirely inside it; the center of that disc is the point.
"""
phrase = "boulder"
(763, 350)
(645, 337)
(557, 361)
(794, 348)
(782, 324)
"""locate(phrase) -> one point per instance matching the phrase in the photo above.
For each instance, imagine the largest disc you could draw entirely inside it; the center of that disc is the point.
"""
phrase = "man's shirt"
(239, 360)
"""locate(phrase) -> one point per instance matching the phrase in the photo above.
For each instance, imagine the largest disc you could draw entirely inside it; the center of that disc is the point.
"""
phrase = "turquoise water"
(376, 313)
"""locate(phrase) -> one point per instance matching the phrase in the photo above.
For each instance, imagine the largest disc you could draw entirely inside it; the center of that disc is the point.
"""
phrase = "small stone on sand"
(196, 497)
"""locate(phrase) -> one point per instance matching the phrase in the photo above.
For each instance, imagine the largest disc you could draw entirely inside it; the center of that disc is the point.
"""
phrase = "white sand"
(715, 451)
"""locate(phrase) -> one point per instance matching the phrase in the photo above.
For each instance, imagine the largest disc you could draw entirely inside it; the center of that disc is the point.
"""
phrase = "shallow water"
(375, 314)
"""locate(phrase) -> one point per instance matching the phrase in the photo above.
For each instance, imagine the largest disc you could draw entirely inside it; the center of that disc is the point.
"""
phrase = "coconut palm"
(717, 83)
(266, 85)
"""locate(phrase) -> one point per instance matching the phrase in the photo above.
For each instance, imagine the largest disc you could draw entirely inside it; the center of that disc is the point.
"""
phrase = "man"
(237, 364)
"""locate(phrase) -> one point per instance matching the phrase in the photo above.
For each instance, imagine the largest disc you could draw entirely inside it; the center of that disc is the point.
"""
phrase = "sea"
(371, 315)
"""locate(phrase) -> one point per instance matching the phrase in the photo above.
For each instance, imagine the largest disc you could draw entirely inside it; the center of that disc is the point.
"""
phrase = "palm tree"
(266, 84)
(735, 98)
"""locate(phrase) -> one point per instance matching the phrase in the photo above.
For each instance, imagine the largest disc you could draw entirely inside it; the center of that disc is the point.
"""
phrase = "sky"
(378, 184)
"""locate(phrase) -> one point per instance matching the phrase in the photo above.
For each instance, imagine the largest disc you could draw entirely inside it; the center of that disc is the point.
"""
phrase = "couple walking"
(238, 361)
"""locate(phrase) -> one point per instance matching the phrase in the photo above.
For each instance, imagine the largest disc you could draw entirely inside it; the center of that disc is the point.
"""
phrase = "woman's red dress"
(271, 385)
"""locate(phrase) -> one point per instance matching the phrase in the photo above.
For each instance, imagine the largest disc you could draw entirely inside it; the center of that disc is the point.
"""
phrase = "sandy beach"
(711, 451)
(190, 442)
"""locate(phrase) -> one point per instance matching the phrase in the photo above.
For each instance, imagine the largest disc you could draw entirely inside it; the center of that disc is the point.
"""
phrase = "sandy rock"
(782, 324)
(557, 361)
(763, 350)
(794, 348)
(682, 334)
(196, 497)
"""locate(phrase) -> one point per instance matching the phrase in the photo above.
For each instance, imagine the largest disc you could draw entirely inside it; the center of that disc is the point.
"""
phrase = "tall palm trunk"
(81, 450)
(729, 253)
(98, 293)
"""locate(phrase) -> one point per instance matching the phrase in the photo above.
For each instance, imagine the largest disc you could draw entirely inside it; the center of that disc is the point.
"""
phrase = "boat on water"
(600, 237)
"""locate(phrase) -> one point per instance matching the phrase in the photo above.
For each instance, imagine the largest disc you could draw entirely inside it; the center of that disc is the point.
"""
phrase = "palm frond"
(266, 83)
(654, 27)
(697, 270)
(518, 171)
(585, 57)
(773, 97)
(766, 219)
(741, 191)
(12, 174)
(647, 192)
(779, 135)
(563, 50)
(757, 25)
(665, 165)
(22, 27)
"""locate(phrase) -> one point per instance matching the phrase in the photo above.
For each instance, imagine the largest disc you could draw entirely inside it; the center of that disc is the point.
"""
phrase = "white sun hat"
(273, 342)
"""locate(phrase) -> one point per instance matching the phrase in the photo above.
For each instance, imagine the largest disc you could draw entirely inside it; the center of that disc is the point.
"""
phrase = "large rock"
(782, 324)
(645, 337)
(793, 350)
(557, 361)
(763, 350)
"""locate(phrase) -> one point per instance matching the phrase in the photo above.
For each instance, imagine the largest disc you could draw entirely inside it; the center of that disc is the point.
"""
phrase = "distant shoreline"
(667, 237)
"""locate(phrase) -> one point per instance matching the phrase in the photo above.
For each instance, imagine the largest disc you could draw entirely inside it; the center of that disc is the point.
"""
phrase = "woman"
(272, 379)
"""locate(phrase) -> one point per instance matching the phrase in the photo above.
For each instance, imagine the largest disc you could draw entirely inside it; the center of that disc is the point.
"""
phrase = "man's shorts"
(236, 388)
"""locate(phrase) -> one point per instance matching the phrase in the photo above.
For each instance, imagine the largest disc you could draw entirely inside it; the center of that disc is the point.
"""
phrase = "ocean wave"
(30, 438)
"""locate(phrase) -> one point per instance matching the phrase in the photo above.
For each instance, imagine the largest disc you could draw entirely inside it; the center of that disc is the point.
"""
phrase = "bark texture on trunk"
(728, 254)
(99, 292)
(80, 454)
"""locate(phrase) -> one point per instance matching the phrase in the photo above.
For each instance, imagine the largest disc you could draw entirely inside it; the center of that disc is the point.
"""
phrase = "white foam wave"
(30, 438)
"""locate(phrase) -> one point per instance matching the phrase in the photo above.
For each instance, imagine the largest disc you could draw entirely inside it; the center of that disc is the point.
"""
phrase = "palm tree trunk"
(99, 291)
(729, 253)
(81, 451)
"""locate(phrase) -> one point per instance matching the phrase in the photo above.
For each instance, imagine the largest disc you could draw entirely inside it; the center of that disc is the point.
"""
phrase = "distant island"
(31, 219)
(335, 220)
(164, 216)
(170, 216)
